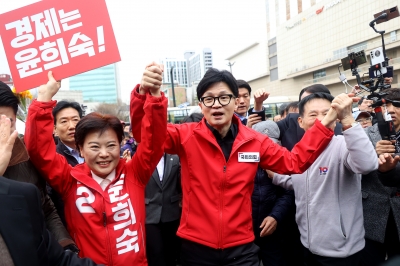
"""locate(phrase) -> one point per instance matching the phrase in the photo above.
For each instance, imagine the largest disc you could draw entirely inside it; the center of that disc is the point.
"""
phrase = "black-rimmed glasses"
(223, 100)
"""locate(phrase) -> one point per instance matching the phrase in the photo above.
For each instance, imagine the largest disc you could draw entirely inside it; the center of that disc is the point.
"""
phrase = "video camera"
(377, 73)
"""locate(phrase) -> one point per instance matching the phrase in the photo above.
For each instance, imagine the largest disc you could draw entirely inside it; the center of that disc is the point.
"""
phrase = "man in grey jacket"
(328, 195)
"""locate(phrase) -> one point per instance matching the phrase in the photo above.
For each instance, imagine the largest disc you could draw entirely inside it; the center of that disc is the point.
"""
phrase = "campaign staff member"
(219, 159)
(104, 196)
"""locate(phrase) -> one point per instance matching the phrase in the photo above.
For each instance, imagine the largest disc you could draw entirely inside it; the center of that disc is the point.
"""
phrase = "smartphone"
(261, 114)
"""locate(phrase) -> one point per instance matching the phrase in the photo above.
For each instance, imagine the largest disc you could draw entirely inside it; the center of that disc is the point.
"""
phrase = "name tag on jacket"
(248, 157)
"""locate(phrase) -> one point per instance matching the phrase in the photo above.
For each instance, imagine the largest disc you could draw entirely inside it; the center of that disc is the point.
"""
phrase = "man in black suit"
(24, 239)
(162, 198)
(66, 116)
(247, 116)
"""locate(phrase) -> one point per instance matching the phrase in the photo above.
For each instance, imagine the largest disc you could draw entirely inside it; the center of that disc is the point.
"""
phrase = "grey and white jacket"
(329, 210)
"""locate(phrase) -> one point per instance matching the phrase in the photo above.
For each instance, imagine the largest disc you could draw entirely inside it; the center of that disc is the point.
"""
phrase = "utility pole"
(230, 65)
(172, 85)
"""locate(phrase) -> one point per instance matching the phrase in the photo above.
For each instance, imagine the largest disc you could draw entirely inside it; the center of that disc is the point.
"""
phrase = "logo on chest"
(323, 170)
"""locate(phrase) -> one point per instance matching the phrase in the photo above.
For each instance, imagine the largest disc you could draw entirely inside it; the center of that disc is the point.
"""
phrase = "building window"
(273, 61)
(272, 49)
(357, 47)
(273, 74)
(340, 53)
(319, 73)
(393, 36)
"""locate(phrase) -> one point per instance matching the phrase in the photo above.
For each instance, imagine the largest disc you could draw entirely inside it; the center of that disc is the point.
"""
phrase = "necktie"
(244, 121)
(105, 183)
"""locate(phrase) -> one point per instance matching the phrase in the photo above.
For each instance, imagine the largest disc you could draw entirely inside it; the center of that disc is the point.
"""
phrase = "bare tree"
(118, 109)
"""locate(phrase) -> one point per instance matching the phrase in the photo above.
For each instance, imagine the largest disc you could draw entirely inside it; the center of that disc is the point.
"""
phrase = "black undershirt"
(225, 143)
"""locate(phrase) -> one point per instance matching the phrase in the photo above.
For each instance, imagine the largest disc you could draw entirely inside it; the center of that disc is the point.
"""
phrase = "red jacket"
(108, 226)
(216, 209)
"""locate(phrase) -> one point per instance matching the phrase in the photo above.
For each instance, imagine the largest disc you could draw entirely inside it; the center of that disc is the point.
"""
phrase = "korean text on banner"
(67, 37)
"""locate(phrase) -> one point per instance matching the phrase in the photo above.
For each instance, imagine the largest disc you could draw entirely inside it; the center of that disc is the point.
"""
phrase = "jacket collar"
(82, 173)
(244, 133)
(19, 153)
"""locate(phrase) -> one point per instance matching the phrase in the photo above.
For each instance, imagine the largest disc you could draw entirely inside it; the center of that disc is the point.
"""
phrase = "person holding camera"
(381, 203)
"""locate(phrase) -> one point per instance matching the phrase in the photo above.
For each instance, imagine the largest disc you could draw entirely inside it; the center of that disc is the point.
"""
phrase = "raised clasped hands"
(341, 108)
(152, 79)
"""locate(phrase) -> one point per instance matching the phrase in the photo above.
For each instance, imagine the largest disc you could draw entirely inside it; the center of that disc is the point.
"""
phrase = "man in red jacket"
(219, 159)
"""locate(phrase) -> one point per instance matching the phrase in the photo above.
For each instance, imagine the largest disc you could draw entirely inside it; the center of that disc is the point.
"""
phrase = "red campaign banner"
(66, 37)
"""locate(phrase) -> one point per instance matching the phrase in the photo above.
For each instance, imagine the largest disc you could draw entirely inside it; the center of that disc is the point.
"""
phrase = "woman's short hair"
(96, 122)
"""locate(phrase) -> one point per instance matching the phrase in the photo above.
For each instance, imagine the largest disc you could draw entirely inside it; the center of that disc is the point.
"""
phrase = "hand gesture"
(385, 146)
(152, 79)
(268, 226)
(260, 95)
(329, 120)
(6, 142)
(387, 162)
(388, 80)
(356, 90)
(343, 106)
(252, 120)
(48, 90)
(126, 155)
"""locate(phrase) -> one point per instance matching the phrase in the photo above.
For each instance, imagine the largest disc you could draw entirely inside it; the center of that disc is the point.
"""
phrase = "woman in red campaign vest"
(104, 196)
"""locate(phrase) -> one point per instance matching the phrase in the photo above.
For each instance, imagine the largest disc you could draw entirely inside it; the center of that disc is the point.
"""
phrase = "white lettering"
(83, 203)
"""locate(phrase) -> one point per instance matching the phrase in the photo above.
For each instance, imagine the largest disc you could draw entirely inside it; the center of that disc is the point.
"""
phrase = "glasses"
(223, 100)
(395, 103)
(364, 120)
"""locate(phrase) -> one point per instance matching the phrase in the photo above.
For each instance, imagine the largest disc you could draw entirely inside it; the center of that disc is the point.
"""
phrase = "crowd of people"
(315, 185)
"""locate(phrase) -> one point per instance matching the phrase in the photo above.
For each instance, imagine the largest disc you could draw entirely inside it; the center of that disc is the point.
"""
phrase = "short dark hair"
(96, 122)
(7, 97)
(313, 89)
(243, 85)
(64, 104)
(292, 105)
(313, 96)
(282, 108)
(393, 94)
(213, 76)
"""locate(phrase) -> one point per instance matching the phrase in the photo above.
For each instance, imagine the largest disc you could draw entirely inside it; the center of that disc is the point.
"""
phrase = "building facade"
(179, 71)
(99, 85)
(198, 64)
(305, 41)
(180, 94)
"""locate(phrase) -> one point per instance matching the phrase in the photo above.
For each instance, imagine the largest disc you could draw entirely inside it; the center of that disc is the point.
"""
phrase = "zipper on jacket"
(221, 206)
(104, 219)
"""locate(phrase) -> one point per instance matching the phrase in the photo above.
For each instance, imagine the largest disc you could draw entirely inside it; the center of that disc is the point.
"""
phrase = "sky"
(148, 31)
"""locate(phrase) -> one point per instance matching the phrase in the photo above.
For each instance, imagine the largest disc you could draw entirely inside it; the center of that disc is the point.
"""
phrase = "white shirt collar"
(111, 177)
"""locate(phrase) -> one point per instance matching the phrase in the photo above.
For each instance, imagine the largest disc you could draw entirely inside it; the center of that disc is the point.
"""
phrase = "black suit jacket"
(162, 199)
(24, 231)
(54, 195)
